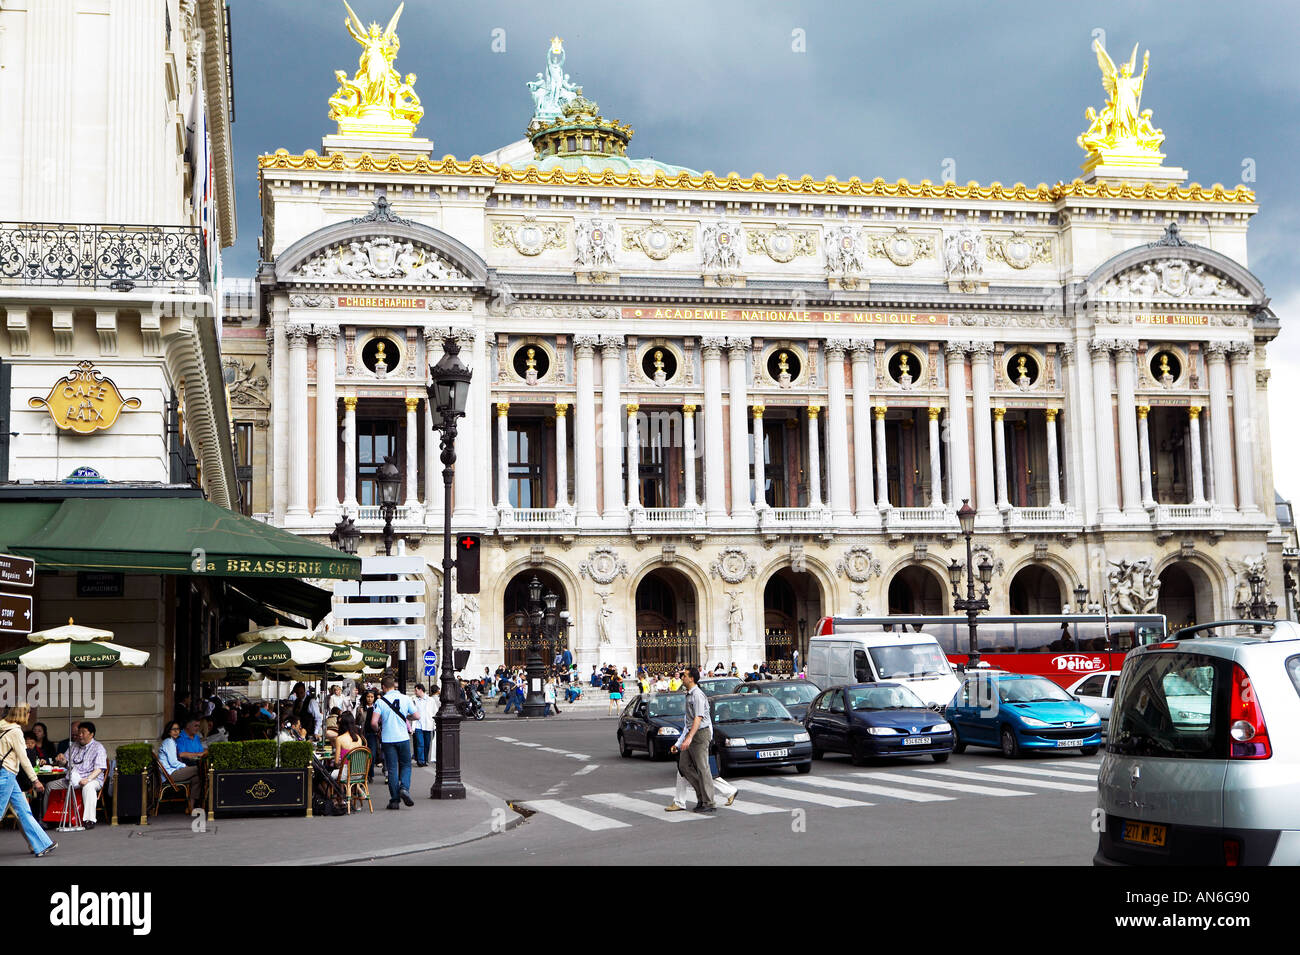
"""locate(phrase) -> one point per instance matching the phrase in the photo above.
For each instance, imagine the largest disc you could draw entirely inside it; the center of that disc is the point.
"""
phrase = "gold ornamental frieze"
(85, 401)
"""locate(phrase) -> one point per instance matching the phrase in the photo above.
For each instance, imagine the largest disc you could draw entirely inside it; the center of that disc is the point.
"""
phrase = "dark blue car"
(1018, 712)
(870, 720)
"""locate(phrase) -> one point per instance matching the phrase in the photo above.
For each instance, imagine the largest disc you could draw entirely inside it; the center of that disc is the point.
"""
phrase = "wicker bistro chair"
(166, 785)
(356, 782)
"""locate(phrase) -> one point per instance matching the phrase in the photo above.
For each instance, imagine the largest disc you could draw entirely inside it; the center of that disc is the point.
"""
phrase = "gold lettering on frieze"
(379, 301)
(838, 316)
(1173, 319)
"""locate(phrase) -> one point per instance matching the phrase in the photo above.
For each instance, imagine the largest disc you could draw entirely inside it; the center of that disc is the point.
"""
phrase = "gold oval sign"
(85, 401)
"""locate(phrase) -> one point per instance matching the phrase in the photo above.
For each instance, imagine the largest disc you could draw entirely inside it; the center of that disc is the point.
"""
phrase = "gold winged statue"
(377, 96)
(1120, 129)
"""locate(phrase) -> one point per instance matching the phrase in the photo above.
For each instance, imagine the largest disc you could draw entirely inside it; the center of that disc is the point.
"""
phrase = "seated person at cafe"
(44, 745)
(346, 740)
(87, 763)
(189, 745)
(332, 723)
(292, 731)
(29, 740)
(169, 757)
(67, 743)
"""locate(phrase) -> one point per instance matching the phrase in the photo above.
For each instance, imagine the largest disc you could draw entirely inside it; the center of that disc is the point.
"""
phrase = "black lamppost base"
(447, 791)
(533, 710)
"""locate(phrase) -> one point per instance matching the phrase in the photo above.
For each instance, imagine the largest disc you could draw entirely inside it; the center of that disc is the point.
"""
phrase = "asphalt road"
(584, 804)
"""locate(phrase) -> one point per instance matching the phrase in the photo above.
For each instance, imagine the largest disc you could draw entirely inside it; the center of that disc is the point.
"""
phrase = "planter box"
(238, 791)
(131, 797)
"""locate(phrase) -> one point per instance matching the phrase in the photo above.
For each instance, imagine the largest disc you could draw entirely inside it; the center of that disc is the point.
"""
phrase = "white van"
(843, 654)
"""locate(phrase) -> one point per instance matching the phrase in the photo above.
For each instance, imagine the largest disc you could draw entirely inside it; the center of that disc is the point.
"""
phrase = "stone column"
(561, 454)
(298, 447)
(715, 494)
(738, 396)
(863, 351)
(279, 411)
(1144, 455)
(1220, 433)
(958, 433)
(412, 452)
(327, 427)
(1198, 468)
(981, 388)
(1000, 455)
(350, 455)
(837, 430)
(1053, 462)
(1080, 433)
(611, 407)
(633, 456)
(1125, 372)
(688, 454)
(1104, 443)
(760, 464)
(814, 458)
(1243, 424)
(882, 462)
(584, 429)
(503, 453)
(936, 463)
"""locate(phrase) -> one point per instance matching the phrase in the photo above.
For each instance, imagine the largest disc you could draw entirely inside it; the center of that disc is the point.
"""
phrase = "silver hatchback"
(1202, 764)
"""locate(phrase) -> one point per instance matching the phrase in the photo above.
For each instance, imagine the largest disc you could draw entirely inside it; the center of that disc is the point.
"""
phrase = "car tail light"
(825, 626)
(1166, 646)
(1248, 736)
(1231, 852)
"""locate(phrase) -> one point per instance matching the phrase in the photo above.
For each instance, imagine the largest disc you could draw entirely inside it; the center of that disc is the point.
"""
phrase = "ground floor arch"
(917, 590)
(1036, 589)
(1186, 595)
(667, 621)
(792, 604)
(517, 627)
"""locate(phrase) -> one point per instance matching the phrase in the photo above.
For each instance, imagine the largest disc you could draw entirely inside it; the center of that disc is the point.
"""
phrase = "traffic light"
(467, 548)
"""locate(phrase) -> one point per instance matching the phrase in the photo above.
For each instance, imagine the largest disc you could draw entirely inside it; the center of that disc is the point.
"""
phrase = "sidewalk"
(170, 839)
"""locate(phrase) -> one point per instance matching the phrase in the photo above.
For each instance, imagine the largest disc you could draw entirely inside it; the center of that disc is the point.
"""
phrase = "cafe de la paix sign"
(84, 401)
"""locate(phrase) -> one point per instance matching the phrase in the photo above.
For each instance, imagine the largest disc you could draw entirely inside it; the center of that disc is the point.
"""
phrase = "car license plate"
(917, 741)
(1067, 743)
(772, 753)
(1145, 833)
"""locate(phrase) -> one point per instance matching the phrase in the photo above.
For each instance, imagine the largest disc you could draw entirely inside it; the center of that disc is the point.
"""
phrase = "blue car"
(872, 720)
(1018, 712)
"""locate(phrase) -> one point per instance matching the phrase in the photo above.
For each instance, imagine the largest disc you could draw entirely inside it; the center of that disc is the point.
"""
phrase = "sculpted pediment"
(378, 258)
(1171, 280)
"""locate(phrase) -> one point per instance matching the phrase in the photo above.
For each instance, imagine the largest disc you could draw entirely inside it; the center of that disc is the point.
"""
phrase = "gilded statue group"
(376, 82)
(1120, 124)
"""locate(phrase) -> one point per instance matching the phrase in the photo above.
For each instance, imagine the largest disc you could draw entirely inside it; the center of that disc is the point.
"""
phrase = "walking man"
(693, 748)
(720, 785)
(394, 710)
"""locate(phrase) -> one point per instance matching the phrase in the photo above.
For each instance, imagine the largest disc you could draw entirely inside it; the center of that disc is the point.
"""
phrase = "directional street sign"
(430, 663)
(15, 613)
(17, 571)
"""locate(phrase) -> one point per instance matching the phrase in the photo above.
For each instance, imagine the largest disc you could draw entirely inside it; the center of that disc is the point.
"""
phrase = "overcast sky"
(840, 89)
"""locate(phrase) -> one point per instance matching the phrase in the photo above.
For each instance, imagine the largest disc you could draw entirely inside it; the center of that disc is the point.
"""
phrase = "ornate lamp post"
(1257, 609)
(971, 604)
(345, 535)
(448, 395)
(389, 480)
(1081, 599)
(540, 618)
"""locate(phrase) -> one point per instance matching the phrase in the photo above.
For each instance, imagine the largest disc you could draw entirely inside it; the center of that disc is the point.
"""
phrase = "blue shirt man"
(395, 736)
(190, 743)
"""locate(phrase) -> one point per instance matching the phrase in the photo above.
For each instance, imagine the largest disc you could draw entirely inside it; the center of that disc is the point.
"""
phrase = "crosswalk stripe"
(746, 806)
(1018, 781)
(869, 789)
(820, 799)
(579, 817)
(945, 784)
(642, 807)
(1058, 773)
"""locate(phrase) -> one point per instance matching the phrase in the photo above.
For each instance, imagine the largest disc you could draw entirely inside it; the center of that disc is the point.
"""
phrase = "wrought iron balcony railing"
(92, 255)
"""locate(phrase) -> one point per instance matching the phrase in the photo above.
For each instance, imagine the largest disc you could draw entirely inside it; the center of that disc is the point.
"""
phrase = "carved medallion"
(858, 565)
(901, 247)
(782, 244)
(734, 565)
(603, 565)
(1020, 251)
(529, 237)
(657, 240)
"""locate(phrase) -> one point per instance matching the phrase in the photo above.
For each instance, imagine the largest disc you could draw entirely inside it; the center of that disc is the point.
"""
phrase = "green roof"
(617, 164)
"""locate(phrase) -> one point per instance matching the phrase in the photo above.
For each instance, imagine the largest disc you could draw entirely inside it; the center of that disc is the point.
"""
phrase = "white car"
(1097, 692)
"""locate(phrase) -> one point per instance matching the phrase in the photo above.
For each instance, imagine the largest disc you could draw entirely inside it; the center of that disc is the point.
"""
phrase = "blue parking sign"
(430, 663)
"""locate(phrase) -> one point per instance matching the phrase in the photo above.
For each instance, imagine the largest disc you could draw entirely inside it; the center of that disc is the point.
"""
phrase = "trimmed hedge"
(259, 754)
(134, 758)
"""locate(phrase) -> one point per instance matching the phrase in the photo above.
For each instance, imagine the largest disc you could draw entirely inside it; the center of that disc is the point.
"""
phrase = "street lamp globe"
(449, 389)
(345, 535)
(986, 572)
(966, 517)
(1080, 598)
(954, 574)
(534, 592)
(389, 480)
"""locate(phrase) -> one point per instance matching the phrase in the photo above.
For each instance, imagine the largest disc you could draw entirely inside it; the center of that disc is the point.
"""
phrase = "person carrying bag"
(13, 760)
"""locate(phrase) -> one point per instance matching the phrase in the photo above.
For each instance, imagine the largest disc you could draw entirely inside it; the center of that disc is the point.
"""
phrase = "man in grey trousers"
(693, 749)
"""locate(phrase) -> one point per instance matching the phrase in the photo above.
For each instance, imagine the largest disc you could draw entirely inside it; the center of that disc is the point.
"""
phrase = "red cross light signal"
(467, 548)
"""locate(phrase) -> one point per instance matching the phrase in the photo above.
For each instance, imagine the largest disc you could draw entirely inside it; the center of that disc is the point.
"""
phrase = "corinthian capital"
(1125, 349)
(1066, 351)
(982, 351)
(711, 346)
(956, 351)
(326, 335)
(611, 345)
(297, 335)
(584, 346)
(836, 347)
(738, 344)
(1101, 347)
(1214, 351)
(863, 349)
(1241, 350)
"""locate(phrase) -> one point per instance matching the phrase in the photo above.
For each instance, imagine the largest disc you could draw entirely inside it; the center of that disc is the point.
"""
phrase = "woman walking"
(13, 760)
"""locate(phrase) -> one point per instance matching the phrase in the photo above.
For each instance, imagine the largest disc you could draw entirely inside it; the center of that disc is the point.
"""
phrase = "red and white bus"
(1061, 647)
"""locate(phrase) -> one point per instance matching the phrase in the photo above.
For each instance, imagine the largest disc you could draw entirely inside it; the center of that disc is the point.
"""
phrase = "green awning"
(267, 601)
(186, 535)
